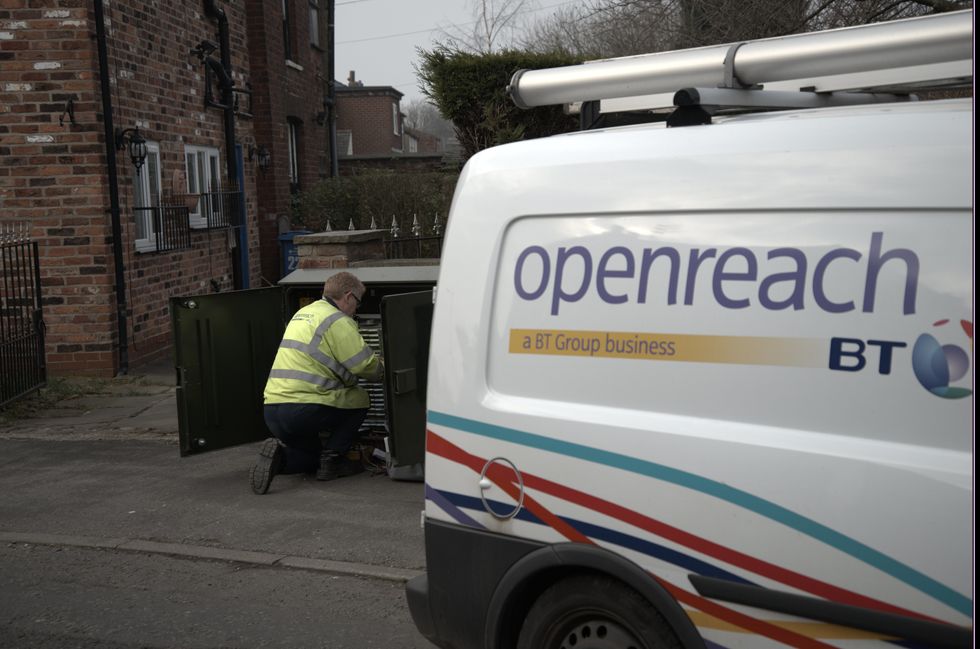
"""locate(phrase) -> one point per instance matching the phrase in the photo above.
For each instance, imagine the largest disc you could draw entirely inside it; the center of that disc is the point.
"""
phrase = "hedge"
(470, 90)
(381, 195)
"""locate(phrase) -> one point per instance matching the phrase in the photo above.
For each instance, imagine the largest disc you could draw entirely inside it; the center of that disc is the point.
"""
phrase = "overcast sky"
(378, 38)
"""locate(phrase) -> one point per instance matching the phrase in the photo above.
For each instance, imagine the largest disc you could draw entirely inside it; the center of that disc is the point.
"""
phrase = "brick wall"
(285, 91)
(54, 175)
(367, 113)
(426, 142)
(339, 249)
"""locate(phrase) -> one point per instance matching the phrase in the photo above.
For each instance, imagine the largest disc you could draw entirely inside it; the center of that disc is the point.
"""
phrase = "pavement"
(104, 471)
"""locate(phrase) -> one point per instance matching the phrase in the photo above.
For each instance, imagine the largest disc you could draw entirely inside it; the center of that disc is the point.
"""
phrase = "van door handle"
(404, 380)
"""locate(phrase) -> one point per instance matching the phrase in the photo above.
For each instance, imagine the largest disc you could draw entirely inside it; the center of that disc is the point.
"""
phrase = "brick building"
(223, 155)
(417, 141)
(369, 119)
(289, 72)
(186, 225)
(371, 133)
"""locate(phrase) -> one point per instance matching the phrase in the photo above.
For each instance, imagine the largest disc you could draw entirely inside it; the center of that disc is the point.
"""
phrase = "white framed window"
(395, 114)
(413, 144)
(146, 198)
(315, 23)
(203, 169)
(292, 136)
(345, 142)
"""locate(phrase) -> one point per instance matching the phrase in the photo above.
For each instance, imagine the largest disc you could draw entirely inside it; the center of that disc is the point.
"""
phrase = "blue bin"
(288, 256)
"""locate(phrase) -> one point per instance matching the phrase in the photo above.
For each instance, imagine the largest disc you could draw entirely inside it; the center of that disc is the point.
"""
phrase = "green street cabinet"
(225, 344)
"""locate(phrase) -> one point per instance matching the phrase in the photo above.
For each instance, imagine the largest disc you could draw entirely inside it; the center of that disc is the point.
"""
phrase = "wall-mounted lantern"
(264, 157)
(130, 138)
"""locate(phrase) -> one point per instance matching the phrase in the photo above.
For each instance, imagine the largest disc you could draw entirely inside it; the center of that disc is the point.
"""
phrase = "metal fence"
(217, 209)
(413, 247)
(221, 209)
(22, 362)
(416, 245)
(168, 225)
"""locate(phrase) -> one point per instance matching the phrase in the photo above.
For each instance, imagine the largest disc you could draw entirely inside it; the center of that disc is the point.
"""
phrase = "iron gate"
(22, 362)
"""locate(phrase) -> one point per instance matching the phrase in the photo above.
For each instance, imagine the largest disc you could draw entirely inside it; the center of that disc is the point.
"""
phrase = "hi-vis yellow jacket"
(320, 357)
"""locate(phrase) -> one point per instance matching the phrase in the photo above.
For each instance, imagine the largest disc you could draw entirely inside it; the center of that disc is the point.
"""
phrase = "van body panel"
(741, 351)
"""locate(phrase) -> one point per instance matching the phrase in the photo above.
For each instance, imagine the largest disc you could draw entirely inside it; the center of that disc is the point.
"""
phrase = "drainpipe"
(110, 154)
(331, 91)
(211, 10)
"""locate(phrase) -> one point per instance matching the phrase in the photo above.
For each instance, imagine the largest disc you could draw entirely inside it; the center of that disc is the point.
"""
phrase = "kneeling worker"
(312, 389)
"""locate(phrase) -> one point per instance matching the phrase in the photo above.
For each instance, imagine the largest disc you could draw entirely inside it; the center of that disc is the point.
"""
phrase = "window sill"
(144, 246)
(292, 64)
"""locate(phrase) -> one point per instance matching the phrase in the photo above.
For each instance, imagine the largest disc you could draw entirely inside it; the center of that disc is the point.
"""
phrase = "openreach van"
(707, 382)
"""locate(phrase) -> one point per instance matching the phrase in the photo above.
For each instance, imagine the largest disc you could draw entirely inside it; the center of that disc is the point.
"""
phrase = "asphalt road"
(140, 489)
(119, 543)
(64, 598)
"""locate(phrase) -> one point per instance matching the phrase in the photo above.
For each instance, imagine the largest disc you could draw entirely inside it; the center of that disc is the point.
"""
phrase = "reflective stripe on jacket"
(320, 358)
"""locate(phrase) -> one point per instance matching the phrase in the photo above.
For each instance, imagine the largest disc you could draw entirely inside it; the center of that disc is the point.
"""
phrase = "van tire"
(594, 611)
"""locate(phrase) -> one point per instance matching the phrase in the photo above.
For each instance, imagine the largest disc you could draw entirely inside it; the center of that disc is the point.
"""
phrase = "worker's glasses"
(357, 300)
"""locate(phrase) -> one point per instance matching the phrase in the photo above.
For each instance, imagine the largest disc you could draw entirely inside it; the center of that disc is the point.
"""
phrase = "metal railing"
(23, 367)
(218, 209)
(416, 245)
(169, 226)
(413, 247)
(221, 208)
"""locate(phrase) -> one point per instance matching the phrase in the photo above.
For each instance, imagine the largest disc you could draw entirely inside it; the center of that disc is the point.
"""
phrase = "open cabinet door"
(224, 346)
(406, 322)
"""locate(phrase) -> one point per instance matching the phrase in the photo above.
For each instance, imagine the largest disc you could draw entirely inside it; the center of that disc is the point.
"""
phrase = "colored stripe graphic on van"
(760, 506)
(457, 502)
(496, 474)
(454, 503)
(444, 448)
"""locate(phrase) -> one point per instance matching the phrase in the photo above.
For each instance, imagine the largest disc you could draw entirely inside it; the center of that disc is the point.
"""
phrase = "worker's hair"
(337, 285)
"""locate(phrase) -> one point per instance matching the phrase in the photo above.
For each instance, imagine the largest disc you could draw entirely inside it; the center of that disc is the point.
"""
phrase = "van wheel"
(594, 612)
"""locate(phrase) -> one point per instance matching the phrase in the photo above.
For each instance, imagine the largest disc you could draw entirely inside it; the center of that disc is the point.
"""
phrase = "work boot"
(334, 465)
(267, 466)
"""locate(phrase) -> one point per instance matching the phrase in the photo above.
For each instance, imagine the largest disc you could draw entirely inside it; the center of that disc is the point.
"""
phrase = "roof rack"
(834, 67)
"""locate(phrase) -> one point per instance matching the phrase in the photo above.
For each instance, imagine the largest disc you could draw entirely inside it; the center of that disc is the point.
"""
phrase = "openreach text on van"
(533, 280)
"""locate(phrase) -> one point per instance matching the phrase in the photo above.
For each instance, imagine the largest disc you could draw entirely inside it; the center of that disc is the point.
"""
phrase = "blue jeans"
(303, 429)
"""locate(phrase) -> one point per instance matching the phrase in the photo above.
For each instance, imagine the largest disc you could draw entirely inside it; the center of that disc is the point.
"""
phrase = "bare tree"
(422, 115)
(829, 14)
(495, 23)
(607, 28)
(604, 29)
(708, 22)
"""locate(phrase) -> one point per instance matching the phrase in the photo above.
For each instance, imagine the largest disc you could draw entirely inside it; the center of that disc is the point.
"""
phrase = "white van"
(708, 386)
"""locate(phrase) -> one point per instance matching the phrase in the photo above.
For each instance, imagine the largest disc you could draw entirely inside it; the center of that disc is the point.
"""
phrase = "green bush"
(377, 195)
(471, 91)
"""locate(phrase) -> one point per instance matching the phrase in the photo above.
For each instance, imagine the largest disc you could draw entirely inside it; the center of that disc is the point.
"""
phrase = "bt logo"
(937, 365)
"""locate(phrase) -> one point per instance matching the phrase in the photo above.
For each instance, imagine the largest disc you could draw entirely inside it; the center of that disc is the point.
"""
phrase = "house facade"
(289, 65)
(372, 135)
(369, 120)
(151, 149)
